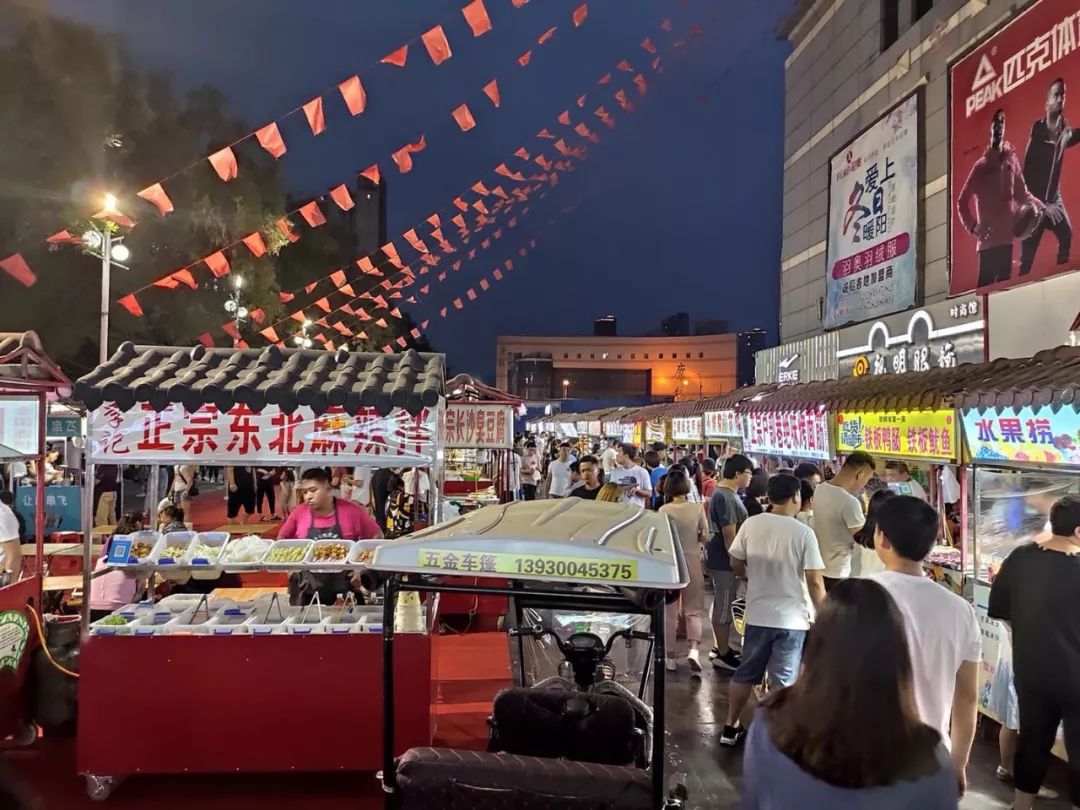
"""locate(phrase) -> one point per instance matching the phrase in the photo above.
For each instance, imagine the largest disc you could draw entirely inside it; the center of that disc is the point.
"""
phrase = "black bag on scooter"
(561, 723)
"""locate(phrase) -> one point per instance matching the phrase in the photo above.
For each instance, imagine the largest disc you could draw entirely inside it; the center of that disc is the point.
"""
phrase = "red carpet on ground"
(471, 669)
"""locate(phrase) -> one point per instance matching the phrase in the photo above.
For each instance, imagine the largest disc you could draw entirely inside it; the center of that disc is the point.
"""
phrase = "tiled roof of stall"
(22, 356)
(466, 388)
(1051, 377)
(288, 378)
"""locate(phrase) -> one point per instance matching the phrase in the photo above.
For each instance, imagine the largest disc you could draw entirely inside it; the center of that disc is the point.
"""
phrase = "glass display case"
(1012, 507)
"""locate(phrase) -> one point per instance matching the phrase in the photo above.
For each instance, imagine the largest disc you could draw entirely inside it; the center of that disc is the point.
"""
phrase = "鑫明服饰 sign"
(1026, 435)
(907, 434)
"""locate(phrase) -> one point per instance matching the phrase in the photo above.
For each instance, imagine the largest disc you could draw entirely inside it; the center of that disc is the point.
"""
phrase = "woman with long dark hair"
(864, 560)
(847, 734)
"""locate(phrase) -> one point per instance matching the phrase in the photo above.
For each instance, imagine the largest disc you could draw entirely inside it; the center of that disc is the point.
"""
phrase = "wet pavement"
(713, 774)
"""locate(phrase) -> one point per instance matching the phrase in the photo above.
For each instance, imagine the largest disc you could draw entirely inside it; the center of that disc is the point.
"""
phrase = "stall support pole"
(964, 531)
(39, 495)
(152, 494)
(88, 542)
(659, 620)
(389, 776)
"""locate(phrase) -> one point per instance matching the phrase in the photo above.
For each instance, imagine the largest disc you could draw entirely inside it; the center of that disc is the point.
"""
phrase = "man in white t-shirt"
(607, 459)
(838, 514)
(559, 476)
(635, 481)
(778, 557)
(896, 472)
(10, 541)
(942, 629)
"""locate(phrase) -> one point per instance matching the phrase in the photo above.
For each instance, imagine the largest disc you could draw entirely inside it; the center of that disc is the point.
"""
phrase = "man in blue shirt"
(726, 513)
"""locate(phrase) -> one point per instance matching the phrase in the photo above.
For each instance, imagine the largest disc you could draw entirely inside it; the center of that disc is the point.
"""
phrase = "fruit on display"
(248, 549)
(141, 550)
(331, 552)
(365, 556)
(287, 554)
(113, 621)
(173, 552)
(201, 551)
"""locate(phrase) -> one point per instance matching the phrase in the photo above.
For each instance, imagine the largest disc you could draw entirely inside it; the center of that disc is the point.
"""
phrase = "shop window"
(618, 357)
(646, 355)
(579, 357)
(890, 23)
(688, 355)
(592, 356)
(661, 355)
(566, 357)
(920, 8)
(701, 355)
(634, 356)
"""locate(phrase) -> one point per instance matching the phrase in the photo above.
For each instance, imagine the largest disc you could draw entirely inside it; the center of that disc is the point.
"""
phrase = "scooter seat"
(452, 779)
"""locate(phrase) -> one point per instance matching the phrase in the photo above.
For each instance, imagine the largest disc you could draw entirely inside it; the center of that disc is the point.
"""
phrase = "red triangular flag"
(353, 92)
(479, 206)
(461, 205)
(269, 138)
(464, 118)
(620, 96)
(286, 229)
(666, 24)
(442, 275)
(491, 90)
(562, 147)
(581, 101)
(337, 278)
(229, 329)
(299, 316)
(415, 333)
(545, 134)
(168, 282)
(525, 58)
(255, 244)
(270, 334)
(372, 174)
(477, 17)
(403, 160)
(497, 274)
(648, 46)
(625, 66)
(605, 79)
(63, 238)
(314, 112)
(480, 188)
(367, 267)
(397, 58)
(217, 263)
(323, 304)
(435, 222)
(459, 220)
(424, 290)
(415, 241)
(349, 291)
(522, 153)
(580, 13)
(312, 215)
(437, 46)
(184, 277)
(582, 130)
(381, 322)
(484, 284)
(458, 304)
(285, 297)
(311, 287)
(470, 294)
(156, 194)
(639, 80)
(258, 316)
(224, 163)
(544, 37)
(341, 196)
(15, 266)
(391, 253)
(442, 312)
(656, 63)
(423, 324)
(128, 302)
(206, 340)
(564, 118)
(402, 342)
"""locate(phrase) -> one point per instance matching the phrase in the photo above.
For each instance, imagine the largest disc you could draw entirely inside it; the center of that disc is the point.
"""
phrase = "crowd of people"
(866, 669)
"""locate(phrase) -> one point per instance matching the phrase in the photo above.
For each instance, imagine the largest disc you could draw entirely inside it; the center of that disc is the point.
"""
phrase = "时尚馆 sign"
(907, 434)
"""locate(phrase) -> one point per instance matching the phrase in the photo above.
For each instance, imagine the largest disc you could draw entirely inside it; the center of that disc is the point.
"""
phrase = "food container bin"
(158, 622)
(110, 626)
(270, 617)
(363, 551)
(287, 554)
(245, 553)
(143, 544)
(194, 622)
(204, 554)
(329, 555)
(230, 621)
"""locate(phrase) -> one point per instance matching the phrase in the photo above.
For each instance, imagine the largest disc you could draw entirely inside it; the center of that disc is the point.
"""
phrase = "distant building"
(605, 327)
(609, 367)
(712, 326)
(677, 325)
(367, 226)
(749, 343)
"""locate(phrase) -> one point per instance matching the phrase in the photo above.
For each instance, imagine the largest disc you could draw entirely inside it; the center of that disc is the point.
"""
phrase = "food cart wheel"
(99, 788)
(27, 735)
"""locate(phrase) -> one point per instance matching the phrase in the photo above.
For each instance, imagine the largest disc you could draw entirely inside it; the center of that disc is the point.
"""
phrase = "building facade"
(608, 367)
(891, 162)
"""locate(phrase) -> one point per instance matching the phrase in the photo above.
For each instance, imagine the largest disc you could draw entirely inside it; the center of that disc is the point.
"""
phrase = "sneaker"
(670, 665)
(729, 661)
(714, 653)
(693, 660)
(1003, 775)
(732, 735)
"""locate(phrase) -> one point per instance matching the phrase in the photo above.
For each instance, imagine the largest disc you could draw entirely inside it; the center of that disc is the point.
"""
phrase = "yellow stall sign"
(905, 434)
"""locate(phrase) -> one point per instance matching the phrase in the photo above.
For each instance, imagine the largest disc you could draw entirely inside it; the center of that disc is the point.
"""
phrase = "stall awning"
(1050, 378)
(287, 378)
(466, 388)
(24, 364)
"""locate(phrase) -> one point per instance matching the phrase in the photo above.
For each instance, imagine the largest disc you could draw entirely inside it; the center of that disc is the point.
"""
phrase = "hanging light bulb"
(230, 306)
(242, 312)
(120, 253)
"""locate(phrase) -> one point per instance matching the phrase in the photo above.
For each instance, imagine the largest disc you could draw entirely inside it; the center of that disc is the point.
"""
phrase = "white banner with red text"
(479, 426)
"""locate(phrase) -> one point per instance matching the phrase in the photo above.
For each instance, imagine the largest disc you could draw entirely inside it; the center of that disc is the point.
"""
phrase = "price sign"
(531, 565)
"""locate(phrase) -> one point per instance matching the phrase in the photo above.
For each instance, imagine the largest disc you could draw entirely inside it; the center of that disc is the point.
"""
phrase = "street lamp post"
(99, 241)
(301, 338)
(234, 305)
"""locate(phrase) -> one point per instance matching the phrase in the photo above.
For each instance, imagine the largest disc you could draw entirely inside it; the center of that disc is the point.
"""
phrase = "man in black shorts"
(240, 482)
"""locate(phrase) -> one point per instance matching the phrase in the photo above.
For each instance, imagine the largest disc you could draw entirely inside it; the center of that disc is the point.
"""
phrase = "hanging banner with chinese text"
(19, 419)
(240, 436)
(686, 428)
(797, 434)
(655, 431)
(479, 426)
(871, 269)
(1028, 435)
(905, 434)
(722, 423)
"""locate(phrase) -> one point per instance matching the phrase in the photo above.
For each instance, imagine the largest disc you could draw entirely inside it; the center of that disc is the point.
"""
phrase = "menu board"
(906, 434)
(797, 434)
(19, 424)
(686, 428)
(1026, 435)
(722, 423)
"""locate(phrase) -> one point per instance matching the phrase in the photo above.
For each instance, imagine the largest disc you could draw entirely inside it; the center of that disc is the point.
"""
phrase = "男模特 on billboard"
(1013, 169)
(871, 266)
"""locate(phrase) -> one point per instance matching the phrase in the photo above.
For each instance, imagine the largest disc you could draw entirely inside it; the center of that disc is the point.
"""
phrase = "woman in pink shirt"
(115, 589)
(321, 516)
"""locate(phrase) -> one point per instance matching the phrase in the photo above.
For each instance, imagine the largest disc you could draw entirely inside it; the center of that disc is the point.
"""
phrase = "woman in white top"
(693, 531)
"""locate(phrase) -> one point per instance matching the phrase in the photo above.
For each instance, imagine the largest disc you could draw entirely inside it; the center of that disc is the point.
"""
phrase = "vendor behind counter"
(322, 516)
